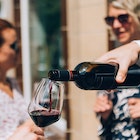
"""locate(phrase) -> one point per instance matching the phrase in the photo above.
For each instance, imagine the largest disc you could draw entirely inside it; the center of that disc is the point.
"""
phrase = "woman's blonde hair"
(131, 6)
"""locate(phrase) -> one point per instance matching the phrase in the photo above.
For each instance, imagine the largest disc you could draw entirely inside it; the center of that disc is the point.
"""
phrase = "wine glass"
(46, 106)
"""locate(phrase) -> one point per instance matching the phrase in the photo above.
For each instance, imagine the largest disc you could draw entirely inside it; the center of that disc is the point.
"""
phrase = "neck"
(5, 86)
(3, 78)
(3, 73)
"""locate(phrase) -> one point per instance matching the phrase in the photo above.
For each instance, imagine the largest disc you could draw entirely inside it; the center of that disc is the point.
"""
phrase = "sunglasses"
(123, 18)
(14, 46)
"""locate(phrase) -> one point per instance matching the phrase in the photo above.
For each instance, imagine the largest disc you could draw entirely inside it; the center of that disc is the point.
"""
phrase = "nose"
(116, 24)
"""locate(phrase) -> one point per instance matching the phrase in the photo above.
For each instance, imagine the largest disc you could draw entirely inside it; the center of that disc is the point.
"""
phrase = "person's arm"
(125, 56)
(103, 108)
(104, 129)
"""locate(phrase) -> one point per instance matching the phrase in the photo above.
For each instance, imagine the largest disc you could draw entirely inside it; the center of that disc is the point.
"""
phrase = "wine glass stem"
(47, 132)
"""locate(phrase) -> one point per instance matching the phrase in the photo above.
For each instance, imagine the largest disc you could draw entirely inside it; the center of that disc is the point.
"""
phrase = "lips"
(120, 34)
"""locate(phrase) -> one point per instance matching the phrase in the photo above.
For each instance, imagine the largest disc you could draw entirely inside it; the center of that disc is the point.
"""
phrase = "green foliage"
(49, 13)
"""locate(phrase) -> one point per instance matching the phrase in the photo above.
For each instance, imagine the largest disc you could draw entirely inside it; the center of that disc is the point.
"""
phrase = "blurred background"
(58, 34)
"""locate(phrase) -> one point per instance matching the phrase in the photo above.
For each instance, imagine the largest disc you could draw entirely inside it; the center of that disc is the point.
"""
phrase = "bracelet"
(137, 41)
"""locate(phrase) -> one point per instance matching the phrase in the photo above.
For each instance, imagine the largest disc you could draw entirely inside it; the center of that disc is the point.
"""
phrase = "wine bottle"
(97, 76)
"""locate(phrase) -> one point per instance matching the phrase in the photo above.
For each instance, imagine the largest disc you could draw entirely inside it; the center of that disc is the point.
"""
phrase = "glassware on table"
(46, 106)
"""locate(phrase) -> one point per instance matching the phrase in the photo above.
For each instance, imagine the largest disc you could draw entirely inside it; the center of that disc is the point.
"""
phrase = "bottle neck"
(63, 75)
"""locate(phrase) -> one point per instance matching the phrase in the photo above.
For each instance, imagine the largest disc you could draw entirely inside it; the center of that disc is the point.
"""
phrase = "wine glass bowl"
(46, 106)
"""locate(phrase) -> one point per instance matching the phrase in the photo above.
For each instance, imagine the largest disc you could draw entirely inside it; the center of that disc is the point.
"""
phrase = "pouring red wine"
(46, 105)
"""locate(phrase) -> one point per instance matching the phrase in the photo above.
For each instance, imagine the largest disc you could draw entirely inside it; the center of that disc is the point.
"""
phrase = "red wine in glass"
(44, 118)
(46, 106)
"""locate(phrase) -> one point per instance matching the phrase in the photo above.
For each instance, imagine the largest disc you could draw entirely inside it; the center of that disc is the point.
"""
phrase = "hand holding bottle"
(97, 76)
(125, 56)
(103, 106)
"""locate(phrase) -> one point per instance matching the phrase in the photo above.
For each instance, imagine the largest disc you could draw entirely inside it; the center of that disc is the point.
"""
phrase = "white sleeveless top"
(13, 111)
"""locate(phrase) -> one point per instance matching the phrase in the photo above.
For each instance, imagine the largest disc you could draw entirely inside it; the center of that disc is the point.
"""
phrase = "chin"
(124, 41)
(124, 38)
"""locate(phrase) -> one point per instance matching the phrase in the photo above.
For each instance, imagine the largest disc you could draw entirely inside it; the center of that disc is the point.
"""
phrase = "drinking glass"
(46, 106)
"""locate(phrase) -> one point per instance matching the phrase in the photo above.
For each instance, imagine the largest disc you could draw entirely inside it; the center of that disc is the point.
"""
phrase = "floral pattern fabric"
(119, 125)
(13, 111)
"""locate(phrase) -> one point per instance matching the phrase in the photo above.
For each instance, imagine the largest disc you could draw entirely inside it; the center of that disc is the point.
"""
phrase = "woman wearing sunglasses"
(124, 20)
(15, 124)
(119, 110)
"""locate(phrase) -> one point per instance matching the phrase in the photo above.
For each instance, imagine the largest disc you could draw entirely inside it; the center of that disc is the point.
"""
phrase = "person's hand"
(28, 131)
(103, 106)
(134, 107)
(125, 56)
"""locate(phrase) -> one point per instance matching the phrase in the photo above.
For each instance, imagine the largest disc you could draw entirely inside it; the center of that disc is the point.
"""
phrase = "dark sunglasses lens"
(123, 18)
(14, 47)
(109, 20)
